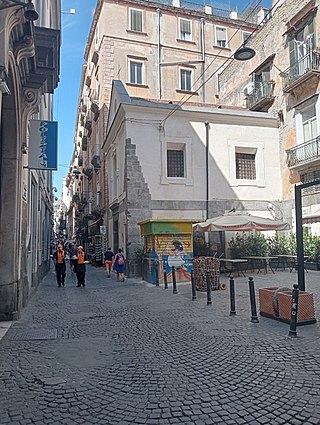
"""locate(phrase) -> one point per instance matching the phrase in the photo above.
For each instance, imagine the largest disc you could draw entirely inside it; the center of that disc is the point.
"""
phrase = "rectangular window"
(135, 76)
(175, 163)
(245, 166)
(221, 37)
(185, 30)
(245, 36)
(309, 123)
(136, 20)
(185, 79)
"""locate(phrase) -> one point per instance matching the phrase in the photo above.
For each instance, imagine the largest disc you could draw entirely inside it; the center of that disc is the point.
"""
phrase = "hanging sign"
(43, 142)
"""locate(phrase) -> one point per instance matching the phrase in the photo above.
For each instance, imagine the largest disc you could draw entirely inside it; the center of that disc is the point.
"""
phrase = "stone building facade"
(29, 72)
(283, 79)
(156, 163)
(159, 50)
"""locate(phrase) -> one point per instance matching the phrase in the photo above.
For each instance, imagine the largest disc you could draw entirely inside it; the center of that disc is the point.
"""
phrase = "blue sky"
(75, 29)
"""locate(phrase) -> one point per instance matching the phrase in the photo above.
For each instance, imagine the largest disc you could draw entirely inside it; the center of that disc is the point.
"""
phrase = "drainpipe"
(207, 125)
(159, 54)
(202, 22)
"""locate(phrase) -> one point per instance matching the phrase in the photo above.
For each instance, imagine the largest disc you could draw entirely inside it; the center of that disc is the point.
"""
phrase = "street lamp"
(30, 13)
(244, 53)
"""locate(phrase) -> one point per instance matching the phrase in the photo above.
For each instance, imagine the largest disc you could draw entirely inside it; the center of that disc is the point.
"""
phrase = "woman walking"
(120, 265)
(108, 260)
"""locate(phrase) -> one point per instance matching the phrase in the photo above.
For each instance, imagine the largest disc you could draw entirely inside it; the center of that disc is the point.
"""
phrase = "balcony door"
(301, 44)
(309, 123)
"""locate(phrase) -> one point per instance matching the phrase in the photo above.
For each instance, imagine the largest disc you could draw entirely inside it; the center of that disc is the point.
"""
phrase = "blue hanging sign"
(43, 145)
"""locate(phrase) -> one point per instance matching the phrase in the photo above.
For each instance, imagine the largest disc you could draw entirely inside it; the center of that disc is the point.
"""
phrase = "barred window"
(175, 163)
(136, 20)
(246, 166)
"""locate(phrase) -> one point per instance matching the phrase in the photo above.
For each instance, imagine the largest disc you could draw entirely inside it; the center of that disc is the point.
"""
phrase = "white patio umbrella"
(240, 222)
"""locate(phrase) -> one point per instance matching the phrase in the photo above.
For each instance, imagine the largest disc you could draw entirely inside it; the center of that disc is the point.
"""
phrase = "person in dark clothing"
(59, 258)
(73, 258)
(80, 267)
(108, 260)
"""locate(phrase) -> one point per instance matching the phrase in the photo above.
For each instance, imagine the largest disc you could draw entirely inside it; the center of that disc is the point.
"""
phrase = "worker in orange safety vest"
(59, 257)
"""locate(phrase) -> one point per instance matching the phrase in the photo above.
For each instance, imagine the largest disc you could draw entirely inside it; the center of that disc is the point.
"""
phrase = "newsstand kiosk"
(167, 243)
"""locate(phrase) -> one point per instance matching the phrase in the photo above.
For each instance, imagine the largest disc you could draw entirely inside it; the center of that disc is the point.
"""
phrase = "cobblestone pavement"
(132, 353)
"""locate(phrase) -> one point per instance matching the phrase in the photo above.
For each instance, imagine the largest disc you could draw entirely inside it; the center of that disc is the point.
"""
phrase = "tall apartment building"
(283, 79)
(167, 52)
(29, 73)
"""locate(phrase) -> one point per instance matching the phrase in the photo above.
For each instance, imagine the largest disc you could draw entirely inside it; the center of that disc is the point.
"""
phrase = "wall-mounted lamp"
(30, 13)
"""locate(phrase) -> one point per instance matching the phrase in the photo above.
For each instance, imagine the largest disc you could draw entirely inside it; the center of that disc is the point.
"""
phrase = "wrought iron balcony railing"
(306, 152)
(262, 91)
(308, 63)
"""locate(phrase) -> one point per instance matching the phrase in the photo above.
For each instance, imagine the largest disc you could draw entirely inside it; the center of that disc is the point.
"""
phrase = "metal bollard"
(254, 317)
(157, 266)
(208, 288)
(294, 311)
(232, 298)
(174, 282)
(165, 278)
(193, 286)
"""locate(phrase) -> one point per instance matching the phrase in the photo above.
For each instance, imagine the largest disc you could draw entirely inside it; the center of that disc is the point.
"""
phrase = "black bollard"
(165, 278)
(294, 311)
(157, 266)
(193, 286)
(232, 298)
(174, 282)
(209, 302)
(254, 317)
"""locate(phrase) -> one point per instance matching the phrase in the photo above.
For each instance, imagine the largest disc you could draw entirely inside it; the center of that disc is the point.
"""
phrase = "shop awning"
(312, 218)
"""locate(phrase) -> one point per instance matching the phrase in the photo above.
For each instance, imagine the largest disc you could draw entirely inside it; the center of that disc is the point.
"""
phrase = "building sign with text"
(43, 144)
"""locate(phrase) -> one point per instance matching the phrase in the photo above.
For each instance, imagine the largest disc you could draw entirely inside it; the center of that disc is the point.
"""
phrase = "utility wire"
(181, 103)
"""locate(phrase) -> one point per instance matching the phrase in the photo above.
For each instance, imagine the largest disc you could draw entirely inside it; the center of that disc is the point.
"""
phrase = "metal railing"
(261, 91)
(308, 63)
(306, 152)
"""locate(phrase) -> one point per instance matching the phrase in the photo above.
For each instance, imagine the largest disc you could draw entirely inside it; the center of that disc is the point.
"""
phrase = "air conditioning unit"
(248, 88)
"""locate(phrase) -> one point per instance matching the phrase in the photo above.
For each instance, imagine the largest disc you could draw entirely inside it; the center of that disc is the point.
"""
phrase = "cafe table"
(234, 265)
(262, 263)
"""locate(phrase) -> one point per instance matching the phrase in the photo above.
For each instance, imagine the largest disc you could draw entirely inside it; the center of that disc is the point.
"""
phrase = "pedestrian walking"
(73, 258)
(120, 265)
(60, 265)
(108, 260)
(80, 267)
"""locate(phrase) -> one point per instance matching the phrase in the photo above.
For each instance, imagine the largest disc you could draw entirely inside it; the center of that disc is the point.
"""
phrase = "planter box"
(306, 312)
(265, 301)
(310, 265)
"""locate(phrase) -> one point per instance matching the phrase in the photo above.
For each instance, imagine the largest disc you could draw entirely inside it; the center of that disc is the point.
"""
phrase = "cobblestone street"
(132, 353)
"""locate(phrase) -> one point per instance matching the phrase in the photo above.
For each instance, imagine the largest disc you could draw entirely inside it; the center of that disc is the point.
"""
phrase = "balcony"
(261, 98)
(303, 154)
(301, 71)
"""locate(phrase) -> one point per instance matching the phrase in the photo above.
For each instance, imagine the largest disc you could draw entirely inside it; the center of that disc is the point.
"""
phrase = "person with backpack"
(120, 265)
